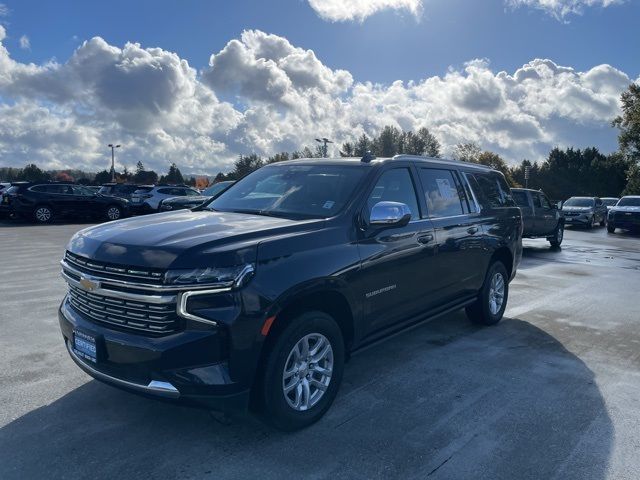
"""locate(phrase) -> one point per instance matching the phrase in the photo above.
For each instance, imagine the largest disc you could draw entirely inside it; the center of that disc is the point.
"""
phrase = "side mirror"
(390, 214)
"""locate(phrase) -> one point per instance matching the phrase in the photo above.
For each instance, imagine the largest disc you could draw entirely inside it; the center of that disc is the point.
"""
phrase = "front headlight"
(218, 276)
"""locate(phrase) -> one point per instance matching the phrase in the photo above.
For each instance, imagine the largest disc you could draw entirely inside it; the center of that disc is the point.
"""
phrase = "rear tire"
(603, 222)
(611, 228)
(43, 214)
(489, 308)
(306, 378)
(113, 212)
(558, 236)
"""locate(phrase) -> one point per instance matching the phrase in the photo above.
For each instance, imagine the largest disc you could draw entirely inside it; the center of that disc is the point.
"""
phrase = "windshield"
(579, 202)
(629, 202)
(609, 202)
(293, 191)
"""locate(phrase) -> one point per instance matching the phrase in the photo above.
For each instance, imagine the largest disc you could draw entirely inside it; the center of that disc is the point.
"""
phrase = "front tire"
(558, 236)
(303, 371)
(489, 308)
(43, 214)
(592, 223)
(611, 228)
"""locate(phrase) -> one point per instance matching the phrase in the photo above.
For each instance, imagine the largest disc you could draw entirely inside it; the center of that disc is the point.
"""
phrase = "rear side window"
(143, 190)
(395, 186)
(442, 193)
(105, 190)
(537, 203)
(40, 188)
(494, 190)
(520, 198)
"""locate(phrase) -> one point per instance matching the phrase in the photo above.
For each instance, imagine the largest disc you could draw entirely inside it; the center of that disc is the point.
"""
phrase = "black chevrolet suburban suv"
(257, 298)
(540, 217)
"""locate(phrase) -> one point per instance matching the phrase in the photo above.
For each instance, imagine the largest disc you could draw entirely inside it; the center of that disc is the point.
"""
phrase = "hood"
(183, 239)
(625, 209)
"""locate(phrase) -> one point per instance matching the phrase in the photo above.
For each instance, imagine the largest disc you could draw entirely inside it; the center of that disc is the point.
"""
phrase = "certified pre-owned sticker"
(380, 290)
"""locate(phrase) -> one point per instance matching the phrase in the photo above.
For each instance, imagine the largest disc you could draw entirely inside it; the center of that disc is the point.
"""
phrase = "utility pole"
(113, 161)
(324, 142)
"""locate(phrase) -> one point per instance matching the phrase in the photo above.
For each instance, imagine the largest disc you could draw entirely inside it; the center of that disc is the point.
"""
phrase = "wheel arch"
(504, 255)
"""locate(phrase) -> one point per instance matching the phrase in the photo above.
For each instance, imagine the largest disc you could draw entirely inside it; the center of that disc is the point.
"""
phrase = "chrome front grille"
(117, 272)
(140, 316)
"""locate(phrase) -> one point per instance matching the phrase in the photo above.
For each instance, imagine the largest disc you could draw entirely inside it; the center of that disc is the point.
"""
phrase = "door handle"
(472, 230)
(424, 239)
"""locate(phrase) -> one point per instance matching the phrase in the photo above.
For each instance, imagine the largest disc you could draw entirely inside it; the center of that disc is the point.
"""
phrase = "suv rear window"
(442, 193)
(494, 190)
(520, 198)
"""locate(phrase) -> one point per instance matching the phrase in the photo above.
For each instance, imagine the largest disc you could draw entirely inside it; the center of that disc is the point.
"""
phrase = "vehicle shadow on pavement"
(445, 400)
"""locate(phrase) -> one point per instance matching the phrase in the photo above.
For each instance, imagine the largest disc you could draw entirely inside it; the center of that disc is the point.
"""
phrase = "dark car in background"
(540, 217)
(120, 190)
(584, 211)
(147, 199)
(44, 202)
(258, 298)
(189, 201)
(609, 202)
(625, 214)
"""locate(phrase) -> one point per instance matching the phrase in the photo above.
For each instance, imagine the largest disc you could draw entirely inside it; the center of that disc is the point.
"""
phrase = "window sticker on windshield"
(445, 189)
(328, 204)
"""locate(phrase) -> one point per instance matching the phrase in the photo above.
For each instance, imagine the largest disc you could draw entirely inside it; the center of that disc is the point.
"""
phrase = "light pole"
(527, 174)
(113, 164)
(324, 142)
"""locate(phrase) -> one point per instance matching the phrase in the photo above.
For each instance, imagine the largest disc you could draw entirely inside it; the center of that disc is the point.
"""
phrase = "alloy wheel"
(496, 293)
(43, 214)
(307, 371)
(113, 213)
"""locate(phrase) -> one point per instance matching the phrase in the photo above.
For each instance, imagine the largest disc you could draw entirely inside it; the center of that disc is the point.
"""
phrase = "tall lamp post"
(324, 142)
(113, 161)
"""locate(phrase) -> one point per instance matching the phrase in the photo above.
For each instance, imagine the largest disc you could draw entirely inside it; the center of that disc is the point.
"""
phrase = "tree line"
(564, 173)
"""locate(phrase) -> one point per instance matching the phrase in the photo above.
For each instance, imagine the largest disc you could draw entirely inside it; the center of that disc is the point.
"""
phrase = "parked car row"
(44, 201)
(544, 219)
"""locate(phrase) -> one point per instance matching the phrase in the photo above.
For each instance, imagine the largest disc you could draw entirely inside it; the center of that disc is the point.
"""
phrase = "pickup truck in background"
(540, 217)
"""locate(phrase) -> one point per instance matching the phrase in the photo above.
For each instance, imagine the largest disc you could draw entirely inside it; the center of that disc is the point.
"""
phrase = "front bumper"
(626, 222)
(582, 219)
(187, 367)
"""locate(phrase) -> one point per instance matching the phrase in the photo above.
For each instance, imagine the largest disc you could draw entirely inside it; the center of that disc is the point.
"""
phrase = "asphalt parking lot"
(550, 392)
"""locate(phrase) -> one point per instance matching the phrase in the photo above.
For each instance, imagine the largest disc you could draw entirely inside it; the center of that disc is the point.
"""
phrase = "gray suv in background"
(147, 199)
(585, 211)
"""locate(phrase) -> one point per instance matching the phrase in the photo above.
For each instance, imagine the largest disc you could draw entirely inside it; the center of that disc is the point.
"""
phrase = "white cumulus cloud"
(262, 94)
(344, 10)
(563, 8)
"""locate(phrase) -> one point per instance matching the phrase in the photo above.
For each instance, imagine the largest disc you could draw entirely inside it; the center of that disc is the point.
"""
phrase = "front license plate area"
(85, 346)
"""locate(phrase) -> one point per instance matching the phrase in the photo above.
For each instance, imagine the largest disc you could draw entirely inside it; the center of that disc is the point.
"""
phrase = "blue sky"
(387, 46)
(423, 47)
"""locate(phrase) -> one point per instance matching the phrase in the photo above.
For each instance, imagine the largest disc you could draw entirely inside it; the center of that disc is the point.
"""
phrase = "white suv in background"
(147, 199)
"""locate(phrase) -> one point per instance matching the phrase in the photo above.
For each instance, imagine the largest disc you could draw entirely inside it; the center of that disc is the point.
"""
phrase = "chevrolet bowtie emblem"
(88, 285)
